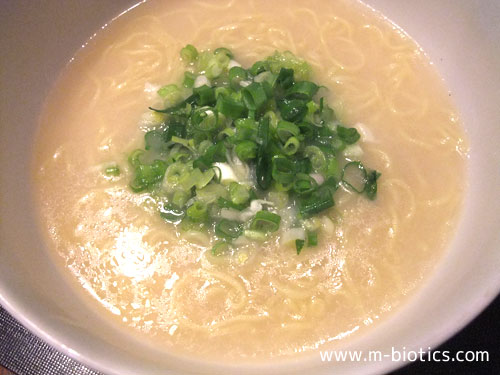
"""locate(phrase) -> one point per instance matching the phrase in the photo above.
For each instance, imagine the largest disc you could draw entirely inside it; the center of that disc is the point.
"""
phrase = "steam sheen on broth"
(265, 302)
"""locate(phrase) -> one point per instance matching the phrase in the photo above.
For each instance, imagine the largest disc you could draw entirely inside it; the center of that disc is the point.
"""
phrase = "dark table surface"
(483, 334)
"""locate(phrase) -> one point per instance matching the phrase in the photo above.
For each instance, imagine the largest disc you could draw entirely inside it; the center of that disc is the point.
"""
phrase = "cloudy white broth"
(263, 300)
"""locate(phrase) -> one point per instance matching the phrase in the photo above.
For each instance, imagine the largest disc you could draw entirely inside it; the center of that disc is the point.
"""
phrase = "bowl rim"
(35, 324)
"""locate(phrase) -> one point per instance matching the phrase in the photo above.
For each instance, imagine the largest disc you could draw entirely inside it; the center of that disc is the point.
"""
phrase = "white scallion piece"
(232, 64)
(293, 234)
(201, 80)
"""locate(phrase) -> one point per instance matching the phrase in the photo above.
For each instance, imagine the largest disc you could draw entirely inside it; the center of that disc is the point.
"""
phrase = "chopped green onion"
(238, 193)
(293, 110)
(265, 221)
(326, 114)
(267, 77)
(211, 192)
(177, 129)
(303, 90)
(171, 94)
(279, 198)
(371, 184)
(304, 184)
(286, 130)
(226, 133)
(282, 187)
(348, 135)
(299, 244)
(228, 229)
(226, 203)
(319, 201)
(134, 158)
(246, 129)
(189, 225)
(331, 183)
(273, 119)
(263, 133)
(255, 235)
(333, 169)
(288, 60)
(263, 166)
(254, 96)
(291, 146)
(303, 166)
(112, 171)
(189, 79)
(205, 178)
(189, 179)
(175, 172)
(224, 51)
(221, 248)
(205, 95)
(180, 198)
(205, 119)
(316, 156)
(338, 144)
(312, 238)
(211, 64)
(197, 211)
(218, 173)
(215, 153)
(285, 78)
(246, 150)
(354, 176)
(155, 141)
(230, 107)
(203, 146)
(258, 67)
(189, 54)
(263, 124)
(236, 75)
(283, 170)
(312, 108)
(172, 213)
(183, 142)
(148, 175)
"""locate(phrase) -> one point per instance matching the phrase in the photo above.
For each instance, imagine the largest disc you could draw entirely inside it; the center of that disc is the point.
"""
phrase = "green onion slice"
(265, 221)
(303, 90)
(172, 213)
(299, 244)
(310, 205)
(312, 238)
(348, 135)
(189, 54)
(254, 96)
(197, 211)
(228, 229)
(286, 130)
(221, 248)
(304, 184)
(354, 176)
(283, 170)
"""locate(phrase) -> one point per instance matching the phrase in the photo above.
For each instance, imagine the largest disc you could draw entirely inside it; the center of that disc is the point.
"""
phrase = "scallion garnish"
(228, 229)
(234, 146)
(299, 244)
(265, 221)
(113, 170)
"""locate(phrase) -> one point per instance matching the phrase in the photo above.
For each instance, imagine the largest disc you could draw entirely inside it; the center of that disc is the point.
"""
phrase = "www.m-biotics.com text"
(397, 355)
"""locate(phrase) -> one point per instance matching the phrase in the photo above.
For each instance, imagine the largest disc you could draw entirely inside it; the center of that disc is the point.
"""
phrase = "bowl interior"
(38, 40)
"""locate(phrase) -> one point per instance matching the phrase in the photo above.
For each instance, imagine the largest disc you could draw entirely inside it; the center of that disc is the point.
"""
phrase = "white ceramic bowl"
(37, 39)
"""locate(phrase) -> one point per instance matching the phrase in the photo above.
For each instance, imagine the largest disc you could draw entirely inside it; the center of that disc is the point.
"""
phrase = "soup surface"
(266, 301)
